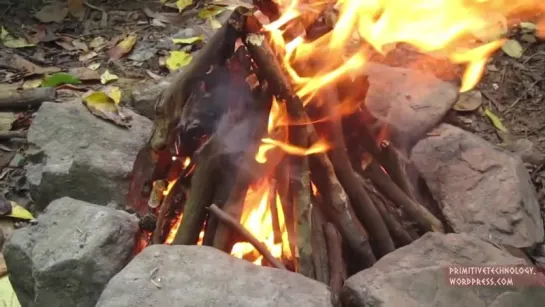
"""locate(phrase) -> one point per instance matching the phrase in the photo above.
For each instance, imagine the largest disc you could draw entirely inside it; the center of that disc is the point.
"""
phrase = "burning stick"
(200, 194)
(229, 220)
(300, 187)
(334, 250)
(318, 243)
(416, 211)
(273, 205)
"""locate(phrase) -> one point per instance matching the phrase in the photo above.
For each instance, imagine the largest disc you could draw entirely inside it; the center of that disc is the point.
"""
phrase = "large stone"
(411, 101)
(79, 155)
(417, 276)
(69, 256)
(203, 276)
(481, 189)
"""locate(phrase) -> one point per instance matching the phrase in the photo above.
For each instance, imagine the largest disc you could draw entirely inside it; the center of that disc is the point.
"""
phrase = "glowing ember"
(257, 220)
(174, 230)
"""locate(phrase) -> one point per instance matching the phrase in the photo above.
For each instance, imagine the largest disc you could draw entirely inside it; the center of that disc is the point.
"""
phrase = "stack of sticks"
(364, 206)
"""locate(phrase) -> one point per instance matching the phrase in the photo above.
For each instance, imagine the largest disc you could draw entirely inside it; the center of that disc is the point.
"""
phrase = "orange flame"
(257, 219)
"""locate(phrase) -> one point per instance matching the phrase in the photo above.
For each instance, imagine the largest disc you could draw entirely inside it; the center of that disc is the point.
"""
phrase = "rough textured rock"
(416, 276)
(144, 96)
(79, 155)
(69, 256)
(411, 101)
(203, 276)
(481, 189)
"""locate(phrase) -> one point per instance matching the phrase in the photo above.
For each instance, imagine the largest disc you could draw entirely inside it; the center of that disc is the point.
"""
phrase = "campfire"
(263, 147)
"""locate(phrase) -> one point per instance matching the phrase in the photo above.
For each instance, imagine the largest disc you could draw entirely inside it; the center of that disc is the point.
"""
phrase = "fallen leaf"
(495, 120)
(102, 105)
(19, 212)
(157, 23)
(113, 92)
(32, 83)
(153, 75)
(7, 294)
(188, 40)
(107, 76)
(28, 68)
(468, 101)
(177, 59)
(233, 4)
(528, 26)
(84, 73)
(512, 48)
(493, 30)
(6, 120)
(77, 9)
(122, 47)
(55, 12)
(94, 66)
(59, 78)
(182, 4)
(210, 11)
(11, 41)
(98, 43)
(214, 23)
(529, 38)
(80, 45)
(87, 56)
(173, 18)
(66, 45)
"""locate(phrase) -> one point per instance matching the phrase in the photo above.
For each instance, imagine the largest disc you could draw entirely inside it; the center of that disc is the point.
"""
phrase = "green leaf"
(59, 78)
(495, 120)
(512, 48)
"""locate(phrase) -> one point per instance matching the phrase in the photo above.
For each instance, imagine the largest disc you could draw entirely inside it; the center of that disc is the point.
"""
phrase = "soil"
(512, 88)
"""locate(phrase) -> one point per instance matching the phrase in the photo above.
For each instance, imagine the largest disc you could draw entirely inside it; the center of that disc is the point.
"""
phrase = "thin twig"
(520, 97)
(229, 220)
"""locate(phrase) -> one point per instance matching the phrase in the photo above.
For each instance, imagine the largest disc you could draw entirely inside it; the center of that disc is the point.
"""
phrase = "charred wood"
(201, 192)
(336, 266)
(319, 245)
(232, 222)
(273, 205)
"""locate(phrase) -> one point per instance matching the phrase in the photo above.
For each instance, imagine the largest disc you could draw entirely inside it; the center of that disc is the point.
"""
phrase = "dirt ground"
(512, 88)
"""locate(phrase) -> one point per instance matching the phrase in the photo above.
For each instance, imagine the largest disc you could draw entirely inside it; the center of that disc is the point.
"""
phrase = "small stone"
(411, 101)
(70, 255)
(416, 275)
(177, 275)
(481, 189)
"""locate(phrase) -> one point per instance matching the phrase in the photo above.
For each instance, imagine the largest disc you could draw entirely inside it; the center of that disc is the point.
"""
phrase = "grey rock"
(204, 276)
(481, 189)
(144, 96)
(143, 51)
(417, 276)
(75, 154)
(411, 101)
(67, 258)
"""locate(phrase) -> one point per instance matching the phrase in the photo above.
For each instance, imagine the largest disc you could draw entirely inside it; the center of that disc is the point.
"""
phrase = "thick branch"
(319, 245)
(26, 99)
(229, 220)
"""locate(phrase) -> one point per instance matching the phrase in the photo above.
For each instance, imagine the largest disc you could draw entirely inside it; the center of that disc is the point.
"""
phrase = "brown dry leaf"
(122, 47)
(55, 12)
(28, 68)
(11, 41)
(103, 104)
(80, 45)
(173, 18)
(77, 9)
(98, 43)
(84, 73)
(87, 56)
(468, 101)
(66, 45)
(153, 75)
(513, 49)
